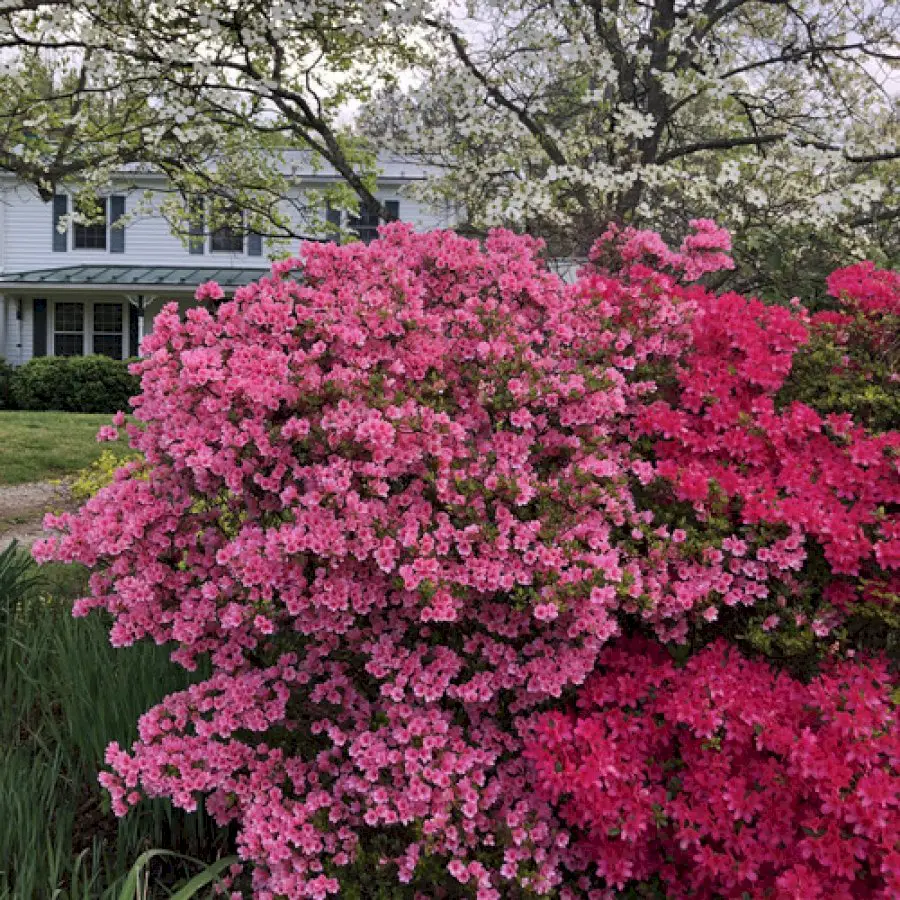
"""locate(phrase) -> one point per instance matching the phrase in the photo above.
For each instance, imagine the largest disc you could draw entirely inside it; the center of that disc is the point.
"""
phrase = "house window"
(93, 236)
(108, 329)
(366, 223)
(68, 329)
(332, 224)
(228, 238)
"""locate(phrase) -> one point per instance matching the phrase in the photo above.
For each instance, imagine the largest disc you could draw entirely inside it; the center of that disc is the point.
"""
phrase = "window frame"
(361, 224)
(88, 305)
(120, 333)
(239, 233)
(365, 226)
(57, 332)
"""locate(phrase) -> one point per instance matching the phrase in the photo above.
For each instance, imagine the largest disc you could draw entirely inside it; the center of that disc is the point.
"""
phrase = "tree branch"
(729, 143)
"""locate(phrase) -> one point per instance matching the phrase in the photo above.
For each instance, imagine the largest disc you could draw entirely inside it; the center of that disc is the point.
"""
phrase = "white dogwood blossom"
(559, 116)
(776, 117)
(221, 95)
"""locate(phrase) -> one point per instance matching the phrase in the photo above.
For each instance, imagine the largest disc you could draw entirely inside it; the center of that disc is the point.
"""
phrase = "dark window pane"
(108, 345)
(108, 329)
(108, 318)
(333, 223)
(92, 237)
(68, 327)
(227, 240)
(68, 344)
(366, 223)
(69, 317)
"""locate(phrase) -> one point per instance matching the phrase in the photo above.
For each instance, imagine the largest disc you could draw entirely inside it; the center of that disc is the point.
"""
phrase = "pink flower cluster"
(773, 470)
(863, 287)
(401, 496)
(630, 251)
(727, 780)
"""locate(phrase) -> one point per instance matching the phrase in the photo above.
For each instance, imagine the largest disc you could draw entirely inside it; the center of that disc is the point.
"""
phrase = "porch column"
(136, 334)
(3, 347)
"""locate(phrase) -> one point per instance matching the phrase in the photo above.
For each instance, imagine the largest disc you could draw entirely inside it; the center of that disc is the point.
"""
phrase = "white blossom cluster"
(213, 92)
(759, 114)
(554, 117)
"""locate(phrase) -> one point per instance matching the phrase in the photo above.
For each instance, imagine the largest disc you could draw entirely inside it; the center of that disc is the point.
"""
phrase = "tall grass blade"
(204, 878)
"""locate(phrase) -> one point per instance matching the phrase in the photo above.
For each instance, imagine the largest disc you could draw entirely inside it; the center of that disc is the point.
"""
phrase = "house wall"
(26, 243)
(26, 234)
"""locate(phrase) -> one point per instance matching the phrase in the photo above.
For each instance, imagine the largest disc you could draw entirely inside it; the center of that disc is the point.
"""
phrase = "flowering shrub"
(850, 364)
(874, 292)
(727, 780)
(793, 481)
(402, 496)
(782, 486)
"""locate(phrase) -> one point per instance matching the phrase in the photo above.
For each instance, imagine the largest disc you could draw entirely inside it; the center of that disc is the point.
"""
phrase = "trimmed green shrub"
(37, 384)
(88, 384)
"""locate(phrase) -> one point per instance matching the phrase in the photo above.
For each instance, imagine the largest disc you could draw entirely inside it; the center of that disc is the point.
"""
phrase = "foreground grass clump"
(35, 446)
(67, 693)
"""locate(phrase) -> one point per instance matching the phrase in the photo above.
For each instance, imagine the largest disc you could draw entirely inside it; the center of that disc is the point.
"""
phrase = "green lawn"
(36, 446)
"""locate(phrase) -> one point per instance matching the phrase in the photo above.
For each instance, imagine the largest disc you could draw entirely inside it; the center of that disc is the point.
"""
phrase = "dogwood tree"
(778, 118)
(219, 94)
(559, 116)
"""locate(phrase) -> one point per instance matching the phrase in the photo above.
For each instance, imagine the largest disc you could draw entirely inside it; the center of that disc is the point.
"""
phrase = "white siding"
(28, 234)
(148, 240)
(4, 189)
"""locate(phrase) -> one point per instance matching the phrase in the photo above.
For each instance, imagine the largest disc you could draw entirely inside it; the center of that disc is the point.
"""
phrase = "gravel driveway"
(22, 507)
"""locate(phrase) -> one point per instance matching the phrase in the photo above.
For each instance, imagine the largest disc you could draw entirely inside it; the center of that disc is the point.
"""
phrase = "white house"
(95, 289)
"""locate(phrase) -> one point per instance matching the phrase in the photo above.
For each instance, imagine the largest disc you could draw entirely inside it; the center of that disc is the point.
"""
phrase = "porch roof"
(146, 279)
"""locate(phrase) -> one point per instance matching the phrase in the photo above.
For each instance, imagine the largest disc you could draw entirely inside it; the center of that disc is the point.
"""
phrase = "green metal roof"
(154, 279)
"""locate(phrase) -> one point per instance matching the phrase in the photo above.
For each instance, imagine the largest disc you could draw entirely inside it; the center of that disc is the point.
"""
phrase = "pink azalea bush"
(401, 498)
(852, 362)
(794, 480)
(727, 780)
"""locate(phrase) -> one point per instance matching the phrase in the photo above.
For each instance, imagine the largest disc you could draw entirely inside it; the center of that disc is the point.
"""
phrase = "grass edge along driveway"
(37, 446)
